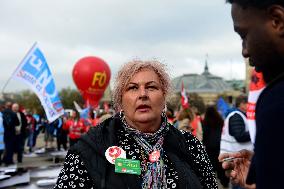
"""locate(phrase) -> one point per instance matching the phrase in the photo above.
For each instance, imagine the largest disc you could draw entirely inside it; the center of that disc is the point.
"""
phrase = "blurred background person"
(39, 123)
(184, 118)
(2, 145)
(212, 131)
(49, 134)
(92, 120)
(60, 133)
(75, 127)
(196, 125)
(21, 132)
(235, 135)
(10, 122)
(31, 124)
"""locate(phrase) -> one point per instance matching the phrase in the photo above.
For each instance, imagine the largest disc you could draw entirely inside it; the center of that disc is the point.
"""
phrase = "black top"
(10, 120)
(237, 128)
(74, 166)
(267, 166)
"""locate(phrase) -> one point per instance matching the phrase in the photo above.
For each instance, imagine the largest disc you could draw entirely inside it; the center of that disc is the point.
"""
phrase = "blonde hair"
(128, 70)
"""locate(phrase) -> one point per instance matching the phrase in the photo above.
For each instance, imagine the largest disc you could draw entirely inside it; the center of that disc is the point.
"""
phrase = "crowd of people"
(19, 131)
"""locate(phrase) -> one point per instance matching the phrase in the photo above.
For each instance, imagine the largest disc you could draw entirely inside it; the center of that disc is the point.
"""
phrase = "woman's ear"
(276, 14)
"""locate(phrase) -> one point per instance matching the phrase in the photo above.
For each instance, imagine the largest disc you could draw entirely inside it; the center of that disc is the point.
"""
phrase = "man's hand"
(237, 165)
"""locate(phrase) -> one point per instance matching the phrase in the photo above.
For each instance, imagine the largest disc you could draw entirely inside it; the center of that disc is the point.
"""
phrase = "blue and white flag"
(84, 114)
(34, 71)
(222, 107)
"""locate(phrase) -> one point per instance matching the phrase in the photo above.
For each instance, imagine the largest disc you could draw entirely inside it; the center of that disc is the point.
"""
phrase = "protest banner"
(34, 71)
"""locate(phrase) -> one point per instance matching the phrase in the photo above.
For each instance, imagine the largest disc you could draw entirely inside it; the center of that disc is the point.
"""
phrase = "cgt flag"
(256, 87)
(184, 99)
(34, 71)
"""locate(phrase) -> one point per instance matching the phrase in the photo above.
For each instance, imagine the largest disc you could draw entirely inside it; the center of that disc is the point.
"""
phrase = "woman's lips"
(143, 108)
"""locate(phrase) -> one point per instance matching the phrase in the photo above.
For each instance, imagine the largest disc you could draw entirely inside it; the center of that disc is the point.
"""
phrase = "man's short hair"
(261, 4)
(241, 99)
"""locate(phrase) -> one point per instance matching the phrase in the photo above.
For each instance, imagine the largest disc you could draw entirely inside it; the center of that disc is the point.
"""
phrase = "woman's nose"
(142, 93)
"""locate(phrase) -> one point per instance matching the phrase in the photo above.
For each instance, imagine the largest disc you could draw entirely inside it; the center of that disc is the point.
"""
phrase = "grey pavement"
(41, 167)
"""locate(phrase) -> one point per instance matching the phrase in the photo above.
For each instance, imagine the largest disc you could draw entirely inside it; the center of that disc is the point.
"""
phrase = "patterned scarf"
(155, 172)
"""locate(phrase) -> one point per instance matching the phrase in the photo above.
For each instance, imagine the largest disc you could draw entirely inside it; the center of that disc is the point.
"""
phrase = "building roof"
(201, 83)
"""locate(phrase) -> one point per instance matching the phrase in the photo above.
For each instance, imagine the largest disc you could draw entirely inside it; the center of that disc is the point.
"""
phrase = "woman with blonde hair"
(137, 147)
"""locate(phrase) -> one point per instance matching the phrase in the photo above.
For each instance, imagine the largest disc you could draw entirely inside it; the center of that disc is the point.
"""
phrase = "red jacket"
(75, 128)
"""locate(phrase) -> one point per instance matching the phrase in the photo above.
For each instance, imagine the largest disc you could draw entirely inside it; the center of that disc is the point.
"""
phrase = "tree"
(29, 101)
(69, 95)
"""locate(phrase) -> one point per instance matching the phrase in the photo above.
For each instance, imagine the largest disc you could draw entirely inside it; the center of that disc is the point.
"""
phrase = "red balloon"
(91, 76)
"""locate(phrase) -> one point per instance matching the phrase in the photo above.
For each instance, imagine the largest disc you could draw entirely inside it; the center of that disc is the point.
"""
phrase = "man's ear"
(276, 14)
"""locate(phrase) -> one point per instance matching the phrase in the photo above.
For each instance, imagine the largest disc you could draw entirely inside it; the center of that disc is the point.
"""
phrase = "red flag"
(256, 87)
(184, 99)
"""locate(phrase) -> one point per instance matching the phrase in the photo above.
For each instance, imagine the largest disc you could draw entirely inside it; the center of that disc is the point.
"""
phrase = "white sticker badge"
(114, 152)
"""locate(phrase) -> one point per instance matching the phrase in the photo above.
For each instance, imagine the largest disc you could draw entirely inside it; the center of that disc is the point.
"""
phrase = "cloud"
(179, 33)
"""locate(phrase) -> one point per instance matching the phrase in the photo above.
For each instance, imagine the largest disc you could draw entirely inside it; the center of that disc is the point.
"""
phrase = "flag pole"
(17, 68)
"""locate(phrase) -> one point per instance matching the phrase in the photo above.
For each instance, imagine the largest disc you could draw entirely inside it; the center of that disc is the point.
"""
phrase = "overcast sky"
(179, 33)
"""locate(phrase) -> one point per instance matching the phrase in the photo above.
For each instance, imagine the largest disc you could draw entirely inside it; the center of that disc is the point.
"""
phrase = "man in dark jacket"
(237, 125)
(260, 24)
(21, 132)
(10, 121)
